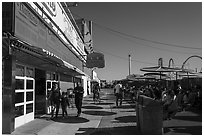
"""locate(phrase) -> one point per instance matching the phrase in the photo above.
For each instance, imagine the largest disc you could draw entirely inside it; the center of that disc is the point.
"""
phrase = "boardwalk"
(105, 119)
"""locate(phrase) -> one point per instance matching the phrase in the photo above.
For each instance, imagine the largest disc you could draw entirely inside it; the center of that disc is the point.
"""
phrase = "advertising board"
(31, 30)
(56, 12)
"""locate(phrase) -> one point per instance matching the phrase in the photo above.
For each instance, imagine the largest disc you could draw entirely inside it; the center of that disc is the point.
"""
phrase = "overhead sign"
(95, 60)
(51, 7)
(56, 12)
(30, 29)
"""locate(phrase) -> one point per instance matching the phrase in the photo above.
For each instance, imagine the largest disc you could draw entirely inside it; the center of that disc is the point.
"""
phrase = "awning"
(42, 58)
(36, 51)
(72, 70)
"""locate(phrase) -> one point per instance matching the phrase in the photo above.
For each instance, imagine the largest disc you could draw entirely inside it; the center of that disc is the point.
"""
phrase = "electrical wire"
(139, 38)
(130, 40)
(127, 37)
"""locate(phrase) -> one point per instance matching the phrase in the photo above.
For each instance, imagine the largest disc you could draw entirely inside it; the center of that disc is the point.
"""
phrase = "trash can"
(149, 116)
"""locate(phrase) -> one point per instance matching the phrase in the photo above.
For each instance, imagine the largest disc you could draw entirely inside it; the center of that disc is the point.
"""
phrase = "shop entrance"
(24, 95)
(51, 78)
(40, 92)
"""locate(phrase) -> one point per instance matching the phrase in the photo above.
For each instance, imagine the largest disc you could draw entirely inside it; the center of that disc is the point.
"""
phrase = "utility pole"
(129, 57)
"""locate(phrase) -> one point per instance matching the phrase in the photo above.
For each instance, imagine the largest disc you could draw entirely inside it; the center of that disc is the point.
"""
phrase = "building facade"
(41, 45)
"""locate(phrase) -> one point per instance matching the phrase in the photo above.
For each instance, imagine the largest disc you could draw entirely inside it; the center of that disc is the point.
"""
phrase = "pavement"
(105, 118)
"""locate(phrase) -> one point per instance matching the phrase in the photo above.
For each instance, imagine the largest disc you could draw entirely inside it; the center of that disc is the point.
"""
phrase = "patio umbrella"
(141, 77)
(161, 69)
(156, 75)
(158, 69)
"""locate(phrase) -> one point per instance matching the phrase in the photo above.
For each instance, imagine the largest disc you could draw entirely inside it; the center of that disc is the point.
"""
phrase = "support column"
(8, 94)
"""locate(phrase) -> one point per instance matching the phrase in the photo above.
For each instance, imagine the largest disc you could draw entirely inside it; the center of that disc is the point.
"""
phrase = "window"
(29, 108)
(29, 96)
(48, 85)
(19, 111)
(19, 97)
(20, 70)
(48, 76)
(29, 72)
(19, 84)
(56, 77)
(52, 76)
(29, 84)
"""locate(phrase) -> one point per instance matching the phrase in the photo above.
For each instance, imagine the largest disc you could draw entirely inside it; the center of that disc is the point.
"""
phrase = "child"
(71, 97)
(64, 103)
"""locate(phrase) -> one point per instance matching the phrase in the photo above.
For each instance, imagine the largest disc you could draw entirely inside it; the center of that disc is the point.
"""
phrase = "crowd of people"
(172, 100)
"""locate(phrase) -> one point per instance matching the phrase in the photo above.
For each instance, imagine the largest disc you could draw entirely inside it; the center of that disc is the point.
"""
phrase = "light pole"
(129, 57)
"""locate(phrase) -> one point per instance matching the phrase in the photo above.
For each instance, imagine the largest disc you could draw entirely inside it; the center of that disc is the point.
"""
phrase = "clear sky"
(118, 27)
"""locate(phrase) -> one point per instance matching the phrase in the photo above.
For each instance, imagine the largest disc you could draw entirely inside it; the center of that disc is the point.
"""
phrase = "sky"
(145, 30)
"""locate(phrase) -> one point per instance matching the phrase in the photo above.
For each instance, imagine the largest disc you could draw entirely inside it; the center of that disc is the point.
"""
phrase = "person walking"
(79, 91)
(96, 94)
(118, 93)
(55, 99)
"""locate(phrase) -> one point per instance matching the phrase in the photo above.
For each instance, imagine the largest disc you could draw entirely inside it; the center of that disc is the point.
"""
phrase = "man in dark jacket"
(79, 91)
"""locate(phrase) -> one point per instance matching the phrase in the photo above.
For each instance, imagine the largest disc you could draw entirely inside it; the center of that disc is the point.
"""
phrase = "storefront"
(33, 58)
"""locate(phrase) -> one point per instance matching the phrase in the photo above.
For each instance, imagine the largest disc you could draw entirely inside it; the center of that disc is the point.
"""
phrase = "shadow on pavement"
(193, 130)
(125, 130)
(126, 119)
(99, 113)
(196, 110)
(102, 103)
(92, 107)
(42, 116)
(71, 119)
(124, 107)
(189, 118)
